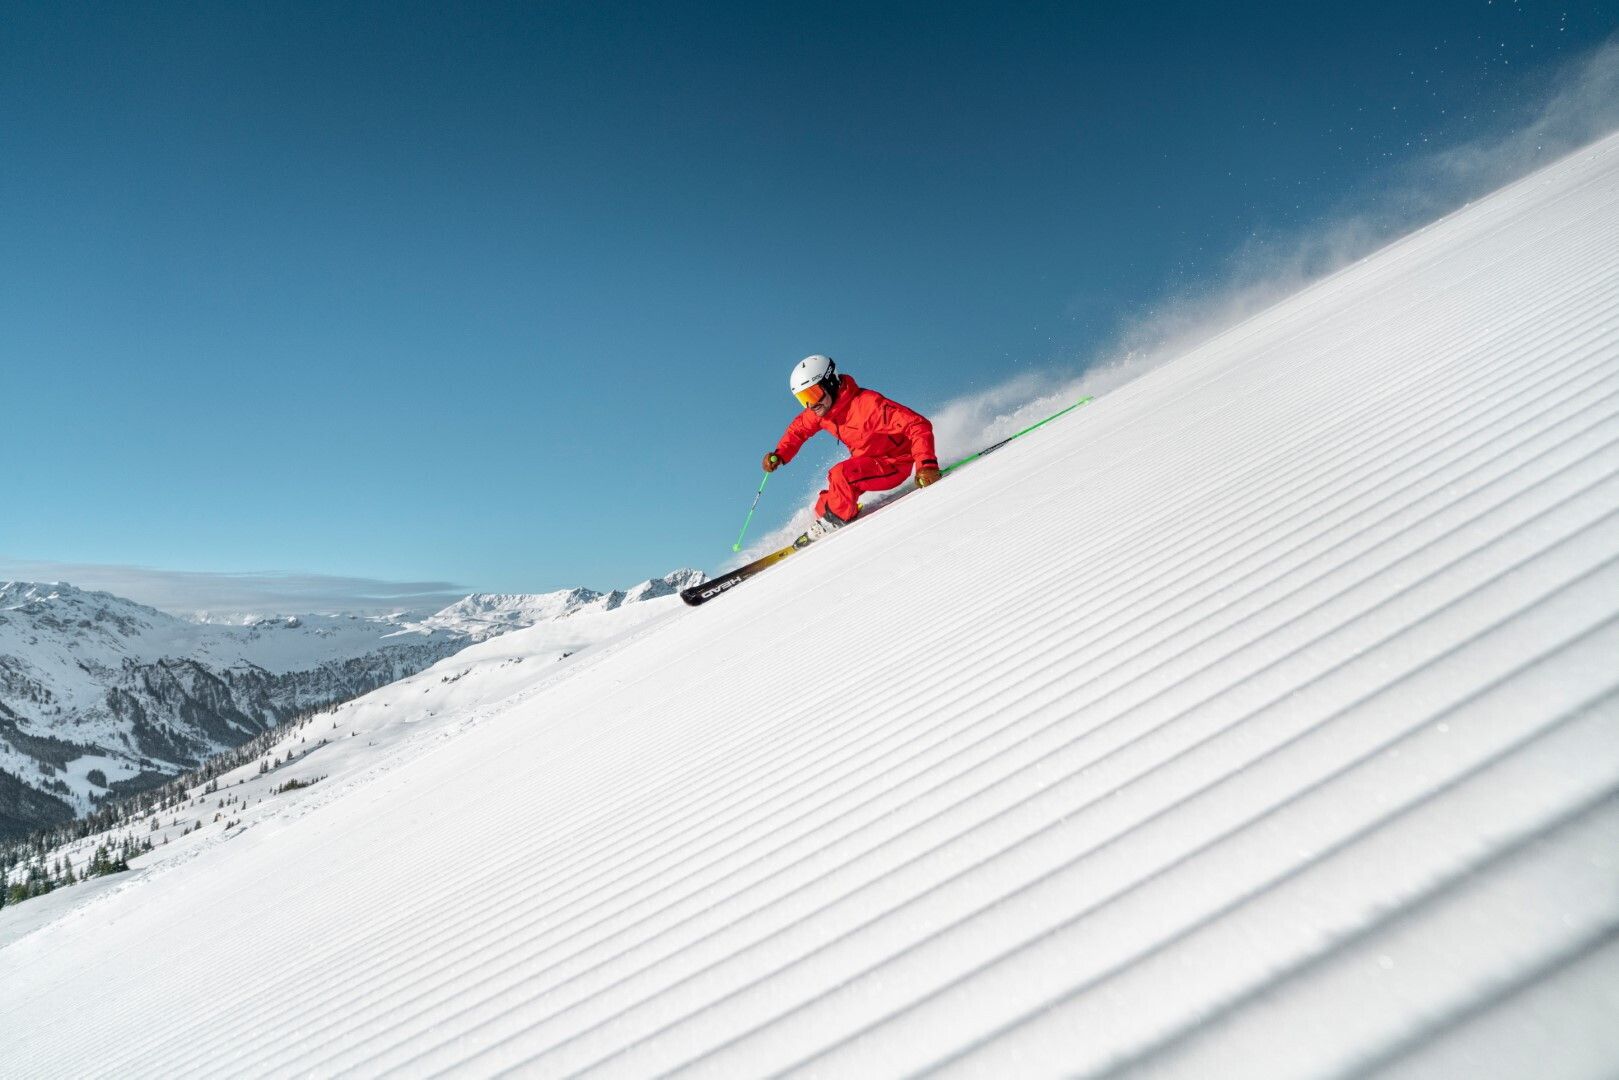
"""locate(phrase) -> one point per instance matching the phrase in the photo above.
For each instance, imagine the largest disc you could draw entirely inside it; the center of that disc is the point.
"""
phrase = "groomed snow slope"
(1260, 718)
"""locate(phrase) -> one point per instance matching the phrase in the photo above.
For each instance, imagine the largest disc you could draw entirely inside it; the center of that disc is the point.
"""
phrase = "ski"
(707, 590)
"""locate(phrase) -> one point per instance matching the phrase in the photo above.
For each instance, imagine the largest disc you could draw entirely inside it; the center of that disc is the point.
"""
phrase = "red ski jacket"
(867, 423)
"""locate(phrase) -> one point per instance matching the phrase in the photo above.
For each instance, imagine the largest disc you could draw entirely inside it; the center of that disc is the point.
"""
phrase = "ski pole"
(1086, 400)
(738, 545)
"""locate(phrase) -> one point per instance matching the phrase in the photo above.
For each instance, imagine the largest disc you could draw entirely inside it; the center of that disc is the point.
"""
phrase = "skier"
(884, 438)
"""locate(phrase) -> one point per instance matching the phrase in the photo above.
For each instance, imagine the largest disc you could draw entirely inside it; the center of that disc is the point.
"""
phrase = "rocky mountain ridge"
(102, 696)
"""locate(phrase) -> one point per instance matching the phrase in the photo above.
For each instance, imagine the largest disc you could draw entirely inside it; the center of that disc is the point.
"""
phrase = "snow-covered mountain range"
(485, 614)
(101, 695)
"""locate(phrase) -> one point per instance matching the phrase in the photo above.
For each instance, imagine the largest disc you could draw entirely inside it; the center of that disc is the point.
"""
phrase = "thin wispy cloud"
(188, 592)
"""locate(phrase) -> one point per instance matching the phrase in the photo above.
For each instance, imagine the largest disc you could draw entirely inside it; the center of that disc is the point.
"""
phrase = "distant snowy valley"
(102, 697)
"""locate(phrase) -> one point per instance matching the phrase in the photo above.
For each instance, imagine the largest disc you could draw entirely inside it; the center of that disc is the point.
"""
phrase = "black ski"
(707, 590)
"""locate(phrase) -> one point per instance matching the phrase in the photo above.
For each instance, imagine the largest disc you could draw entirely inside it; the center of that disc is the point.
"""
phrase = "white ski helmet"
(814, 377)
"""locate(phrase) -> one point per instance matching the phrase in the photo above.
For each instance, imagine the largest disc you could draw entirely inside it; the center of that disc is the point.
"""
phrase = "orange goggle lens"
(810, 394)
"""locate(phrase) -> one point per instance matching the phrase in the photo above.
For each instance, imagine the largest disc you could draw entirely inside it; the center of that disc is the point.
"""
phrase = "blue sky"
(505, 297)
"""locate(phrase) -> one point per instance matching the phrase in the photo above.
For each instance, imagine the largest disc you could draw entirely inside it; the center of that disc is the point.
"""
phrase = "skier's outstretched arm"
(803, 426)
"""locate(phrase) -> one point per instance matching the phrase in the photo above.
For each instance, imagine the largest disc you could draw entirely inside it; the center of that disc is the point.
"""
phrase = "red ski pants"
(848, 479)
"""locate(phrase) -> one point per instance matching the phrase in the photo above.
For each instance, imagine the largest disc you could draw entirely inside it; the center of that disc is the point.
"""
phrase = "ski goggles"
(810, 395)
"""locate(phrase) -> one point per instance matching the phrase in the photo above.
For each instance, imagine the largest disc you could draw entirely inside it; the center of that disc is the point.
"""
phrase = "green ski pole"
(996, 446)
(738, 545)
